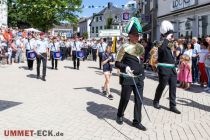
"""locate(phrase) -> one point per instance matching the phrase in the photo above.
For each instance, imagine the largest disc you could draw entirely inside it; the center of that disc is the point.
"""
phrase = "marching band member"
(94, 49)
(54, 47)
(166, 67)
(129, 62)
(101, 49)
(41, 51)
(76, 46)
(30, 44)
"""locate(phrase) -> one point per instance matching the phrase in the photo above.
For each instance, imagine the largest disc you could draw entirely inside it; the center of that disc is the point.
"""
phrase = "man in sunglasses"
(166, 67)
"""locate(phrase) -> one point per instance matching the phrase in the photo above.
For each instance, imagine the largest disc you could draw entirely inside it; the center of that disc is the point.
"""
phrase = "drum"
(80, 54)
(57, 55)
(31, 55)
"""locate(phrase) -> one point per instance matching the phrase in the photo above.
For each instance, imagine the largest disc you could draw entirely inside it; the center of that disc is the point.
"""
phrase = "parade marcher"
(129, 62)
(41, 51)
(166, 67)
(107, 62)
(54, 47)
(76, 46)
(30, 44)
(101, 48)
(94, 50)
(18, 56)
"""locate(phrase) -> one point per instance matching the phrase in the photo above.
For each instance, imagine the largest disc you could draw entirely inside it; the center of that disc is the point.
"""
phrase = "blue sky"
(87, 12)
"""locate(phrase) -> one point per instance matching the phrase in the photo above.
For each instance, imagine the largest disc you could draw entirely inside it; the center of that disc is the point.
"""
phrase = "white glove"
(129, 71)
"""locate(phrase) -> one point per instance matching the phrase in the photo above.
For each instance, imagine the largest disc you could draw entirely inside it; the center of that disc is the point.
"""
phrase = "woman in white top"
(189, 51)
(201, 65)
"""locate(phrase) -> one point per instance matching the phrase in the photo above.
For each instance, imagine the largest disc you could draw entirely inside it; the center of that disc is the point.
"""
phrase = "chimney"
(110, 4)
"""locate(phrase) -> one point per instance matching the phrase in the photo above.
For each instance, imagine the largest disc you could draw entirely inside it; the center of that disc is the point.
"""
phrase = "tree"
(43, 14)
(15, 17)
(85, 35)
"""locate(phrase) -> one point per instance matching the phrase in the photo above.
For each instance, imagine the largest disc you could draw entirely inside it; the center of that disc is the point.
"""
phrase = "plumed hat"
(166, 28)
(133, 26)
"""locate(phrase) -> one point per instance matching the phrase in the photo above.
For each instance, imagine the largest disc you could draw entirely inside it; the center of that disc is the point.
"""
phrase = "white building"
(99, 20)
(3, 13)
(62, 30)
(190, 17)
(84, 26)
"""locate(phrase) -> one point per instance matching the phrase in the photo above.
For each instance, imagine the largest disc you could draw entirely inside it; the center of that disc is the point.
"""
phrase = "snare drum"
(31, 55)
(80, 54)
(57, 55)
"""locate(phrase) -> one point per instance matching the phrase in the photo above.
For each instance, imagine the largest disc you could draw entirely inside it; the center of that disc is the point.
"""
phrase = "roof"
(108, 8)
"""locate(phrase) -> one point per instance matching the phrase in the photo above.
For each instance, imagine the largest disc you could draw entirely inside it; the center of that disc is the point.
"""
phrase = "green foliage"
(109, 23)
(85, 35)
(43, 14)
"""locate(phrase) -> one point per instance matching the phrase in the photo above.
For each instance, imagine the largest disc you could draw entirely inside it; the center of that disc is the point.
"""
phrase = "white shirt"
(102, 47)
(41, 46)
(76, 46)
(202, 55)
(54, 46)
(196, 49)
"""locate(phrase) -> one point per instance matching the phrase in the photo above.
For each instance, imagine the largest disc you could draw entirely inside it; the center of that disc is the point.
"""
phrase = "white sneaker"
(207, 89)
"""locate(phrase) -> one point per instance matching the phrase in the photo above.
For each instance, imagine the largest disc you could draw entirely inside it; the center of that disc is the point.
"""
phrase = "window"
(96, 19)
(92, 29)
(115, 17)
(100, 18)
(204, 25)
(97, 29)
(101, 27)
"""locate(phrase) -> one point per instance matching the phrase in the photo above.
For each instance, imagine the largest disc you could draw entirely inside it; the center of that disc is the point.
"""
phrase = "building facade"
(3, 13)
(190, 17)
(84, 26)
(99, 21)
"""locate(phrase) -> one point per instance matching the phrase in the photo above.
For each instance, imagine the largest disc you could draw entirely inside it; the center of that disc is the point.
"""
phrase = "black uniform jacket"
(165, 56)
(135, 64)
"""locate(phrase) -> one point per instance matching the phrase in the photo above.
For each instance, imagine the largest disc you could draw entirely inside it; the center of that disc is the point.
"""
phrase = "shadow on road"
(147, 101)
(94, 68)
(31, 76)
(23, 67)
(68, 67)
(191, 103)
(7, 104)
(103, 111)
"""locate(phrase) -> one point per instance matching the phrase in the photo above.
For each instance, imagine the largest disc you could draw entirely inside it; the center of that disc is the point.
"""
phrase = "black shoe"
(37, 77)
(43, 79)
(156, 105)
(175, 110)
(77, 68)
(52, 68)
(139, 126)
(104, 93)
(110, 97)
(56, 68)
(119, 120)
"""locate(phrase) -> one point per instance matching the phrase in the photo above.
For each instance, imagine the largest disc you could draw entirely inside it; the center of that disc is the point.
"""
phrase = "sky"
(87, 12)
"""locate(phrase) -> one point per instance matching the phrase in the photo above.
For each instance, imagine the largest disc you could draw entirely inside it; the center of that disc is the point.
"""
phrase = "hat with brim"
(133, 26)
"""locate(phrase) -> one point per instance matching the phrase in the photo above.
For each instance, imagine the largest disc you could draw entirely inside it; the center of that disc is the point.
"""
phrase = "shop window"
(204, 25)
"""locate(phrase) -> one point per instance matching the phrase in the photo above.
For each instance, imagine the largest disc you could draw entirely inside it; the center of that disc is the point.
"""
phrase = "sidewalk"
(70, 101)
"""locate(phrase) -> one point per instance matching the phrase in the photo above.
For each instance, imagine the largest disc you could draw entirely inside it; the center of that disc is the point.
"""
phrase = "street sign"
(109, 33)
(126, 16)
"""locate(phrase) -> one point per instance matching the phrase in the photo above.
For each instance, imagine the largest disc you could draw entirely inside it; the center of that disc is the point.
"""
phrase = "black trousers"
(125, 97)
(100, 55)
(53, 60)
(30, 63)
(85, 53)
(69, 51)
(94, 51)
(163, 80)
(76, 61)
(42, 58)
(64, 53)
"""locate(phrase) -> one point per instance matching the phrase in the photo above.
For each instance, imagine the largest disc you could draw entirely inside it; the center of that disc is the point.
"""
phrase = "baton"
(124, 74)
